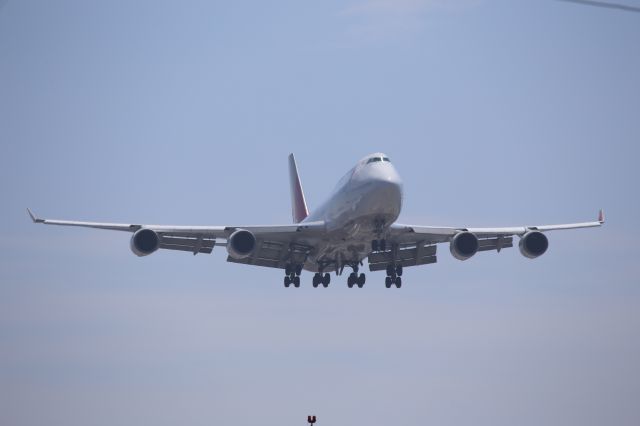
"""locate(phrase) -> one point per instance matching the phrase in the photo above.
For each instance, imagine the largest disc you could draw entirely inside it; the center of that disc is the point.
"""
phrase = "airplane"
(357, 221)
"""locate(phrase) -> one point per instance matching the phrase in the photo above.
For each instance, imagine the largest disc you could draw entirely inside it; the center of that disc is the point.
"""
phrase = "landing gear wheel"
(398, 282)
(399, 270)
(351, 280)
(298, 269)
(287, 281)
(326, 279)
(387, 282)
(361, 280)
(316, 280)
(296, 282)
(287, 269)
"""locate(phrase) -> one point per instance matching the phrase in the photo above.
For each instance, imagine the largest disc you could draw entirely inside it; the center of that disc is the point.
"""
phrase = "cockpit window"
(374, 159)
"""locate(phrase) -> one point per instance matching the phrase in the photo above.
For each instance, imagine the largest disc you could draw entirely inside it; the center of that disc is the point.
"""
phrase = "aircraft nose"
(386, 173)
(387, 179)
(381, 192)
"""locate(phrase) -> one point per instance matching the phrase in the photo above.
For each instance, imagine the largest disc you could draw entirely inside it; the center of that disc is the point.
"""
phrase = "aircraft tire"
(361, 280)
(388, 282)
(326, 279)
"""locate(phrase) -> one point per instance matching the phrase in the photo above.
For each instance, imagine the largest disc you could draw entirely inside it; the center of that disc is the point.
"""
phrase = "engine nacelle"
(464, 245)
(144, 242)
(533, 244)
(241, 244)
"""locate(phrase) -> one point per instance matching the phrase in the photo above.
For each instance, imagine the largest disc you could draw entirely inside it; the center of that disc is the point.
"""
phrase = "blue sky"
(494, 112)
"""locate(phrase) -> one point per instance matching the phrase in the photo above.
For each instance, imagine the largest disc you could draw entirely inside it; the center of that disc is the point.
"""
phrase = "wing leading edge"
(202, 239)
(441, 234)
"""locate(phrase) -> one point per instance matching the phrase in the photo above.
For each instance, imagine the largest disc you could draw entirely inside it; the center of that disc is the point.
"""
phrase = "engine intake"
(464, 245)
(241, 244)
(533, 244)
(144, 242)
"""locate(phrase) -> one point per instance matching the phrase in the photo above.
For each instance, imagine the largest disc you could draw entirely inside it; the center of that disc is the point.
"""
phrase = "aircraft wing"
(416, 245)
(439, 234)
(274, 243)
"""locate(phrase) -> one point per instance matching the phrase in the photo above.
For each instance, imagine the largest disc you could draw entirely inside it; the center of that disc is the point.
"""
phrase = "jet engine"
(241, 244)
(533, 244)
(144, 242)
(464, 245)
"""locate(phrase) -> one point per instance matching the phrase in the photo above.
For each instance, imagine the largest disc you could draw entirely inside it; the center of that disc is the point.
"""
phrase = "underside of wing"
(412, 250)
(263, 245)
(274, 253)
(410, 245)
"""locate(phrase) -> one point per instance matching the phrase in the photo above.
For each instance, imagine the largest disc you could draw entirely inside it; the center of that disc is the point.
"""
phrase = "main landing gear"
(319, 278)
(292, 275)
(394, 276)
(355, 279)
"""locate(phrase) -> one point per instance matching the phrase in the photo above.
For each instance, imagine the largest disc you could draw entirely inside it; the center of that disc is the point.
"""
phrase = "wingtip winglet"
(33, 217)
(601, 216)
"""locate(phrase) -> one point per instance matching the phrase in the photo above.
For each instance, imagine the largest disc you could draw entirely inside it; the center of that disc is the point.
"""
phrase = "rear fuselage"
(366, 201)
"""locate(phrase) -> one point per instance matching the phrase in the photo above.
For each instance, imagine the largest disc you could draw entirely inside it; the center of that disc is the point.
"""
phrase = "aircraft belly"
(348, 245)
(331, 256)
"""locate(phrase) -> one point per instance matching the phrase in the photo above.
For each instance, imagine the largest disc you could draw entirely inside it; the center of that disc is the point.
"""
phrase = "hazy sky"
(494, 112)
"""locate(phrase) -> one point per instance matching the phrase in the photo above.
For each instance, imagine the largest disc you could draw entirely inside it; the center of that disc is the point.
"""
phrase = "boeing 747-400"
(357, 222)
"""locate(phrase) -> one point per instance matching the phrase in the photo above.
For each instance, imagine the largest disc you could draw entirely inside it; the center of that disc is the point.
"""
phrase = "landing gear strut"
(378, 245)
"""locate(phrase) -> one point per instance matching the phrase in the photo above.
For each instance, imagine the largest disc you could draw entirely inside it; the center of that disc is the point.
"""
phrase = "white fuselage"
(366, 201)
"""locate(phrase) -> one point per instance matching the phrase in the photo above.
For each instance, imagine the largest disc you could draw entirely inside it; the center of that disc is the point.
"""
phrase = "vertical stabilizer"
(298, 203)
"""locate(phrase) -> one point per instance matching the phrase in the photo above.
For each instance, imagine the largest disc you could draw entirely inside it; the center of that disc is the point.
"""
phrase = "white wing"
(414, 245)
(275, 243)
(438, 234)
